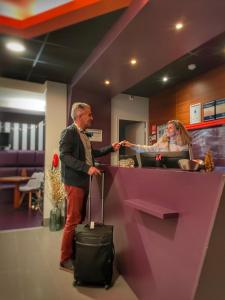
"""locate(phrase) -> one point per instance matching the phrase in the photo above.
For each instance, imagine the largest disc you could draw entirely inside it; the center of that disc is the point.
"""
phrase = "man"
(77, 165)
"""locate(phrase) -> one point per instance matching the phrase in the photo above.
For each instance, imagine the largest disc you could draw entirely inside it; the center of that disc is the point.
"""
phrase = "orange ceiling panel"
(59, 17)
(19, 2)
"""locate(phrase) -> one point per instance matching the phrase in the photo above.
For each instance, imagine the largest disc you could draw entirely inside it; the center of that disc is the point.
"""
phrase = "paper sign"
(95, 135)
(195, 113)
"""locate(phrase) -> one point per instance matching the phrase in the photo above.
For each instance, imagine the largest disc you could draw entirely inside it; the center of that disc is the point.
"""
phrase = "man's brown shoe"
(67, 266)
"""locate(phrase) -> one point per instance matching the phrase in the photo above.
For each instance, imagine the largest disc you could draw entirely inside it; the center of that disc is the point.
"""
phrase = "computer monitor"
(168, 159)
(148, 159)
(4, 140)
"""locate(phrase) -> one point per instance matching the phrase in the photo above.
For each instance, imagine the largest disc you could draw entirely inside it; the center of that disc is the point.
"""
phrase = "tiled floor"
(29, 270)
(22, 217)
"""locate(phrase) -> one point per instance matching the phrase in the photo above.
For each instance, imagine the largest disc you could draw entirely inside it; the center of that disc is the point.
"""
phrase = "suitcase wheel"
(76, 282)
(107, 286)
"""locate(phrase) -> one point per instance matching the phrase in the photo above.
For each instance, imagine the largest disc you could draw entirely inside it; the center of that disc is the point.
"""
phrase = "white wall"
(22, 85)
(22, 96)
(55, 118)
(124, 107)
(22, 100)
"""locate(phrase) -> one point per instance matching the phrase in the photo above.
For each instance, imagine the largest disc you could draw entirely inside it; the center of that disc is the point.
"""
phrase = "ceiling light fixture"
(107, 82)
(15, 46)
(165, 79)
(133, 61)
(191, 67)
(179, 26)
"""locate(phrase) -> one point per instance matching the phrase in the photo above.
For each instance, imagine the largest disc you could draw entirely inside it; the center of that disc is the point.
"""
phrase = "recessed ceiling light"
(165, 79)
(107, 82)
(133, 61)
(179, 26)
(15, 46)
(191, 67)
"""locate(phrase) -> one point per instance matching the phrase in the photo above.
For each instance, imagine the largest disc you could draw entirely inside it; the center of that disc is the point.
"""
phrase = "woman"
(176, 138)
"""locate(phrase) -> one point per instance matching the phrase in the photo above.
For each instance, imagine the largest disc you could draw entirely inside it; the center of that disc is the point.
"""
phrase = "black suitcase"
(94, 250)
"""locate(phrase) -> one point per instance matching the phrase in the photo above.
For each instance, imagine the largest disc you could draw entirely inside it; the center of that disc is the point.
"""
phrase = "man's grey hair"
(77, 109)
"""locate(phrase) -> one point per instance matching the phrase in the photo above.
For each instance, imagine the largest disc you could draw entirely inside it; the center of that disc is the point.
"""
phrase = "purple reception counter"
(169, 231)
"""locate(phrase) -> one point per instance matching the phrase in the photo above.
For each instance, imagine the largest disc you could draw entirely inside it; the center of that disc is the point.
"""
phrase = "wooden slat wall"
(174, 103)
(162, 107)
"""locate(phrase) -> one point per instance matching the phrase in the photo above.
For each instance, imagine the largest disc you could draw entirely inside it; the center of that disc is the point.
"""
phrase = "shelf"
(206, 124)
(152, 209)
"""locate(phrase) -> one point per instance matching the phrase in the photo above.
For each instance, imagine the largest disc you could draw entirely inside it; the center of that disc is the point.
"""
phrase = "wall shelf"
(152, 209)
(206, 124)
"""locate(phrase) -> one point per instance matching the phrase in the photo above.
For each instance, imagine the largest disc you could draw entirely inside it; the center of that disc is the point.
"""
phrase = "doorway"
(134, 132)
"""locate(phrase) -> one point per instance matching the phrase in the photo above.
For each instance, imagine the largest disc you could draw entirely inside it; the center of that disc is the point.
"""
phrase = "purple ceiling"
(146, 31)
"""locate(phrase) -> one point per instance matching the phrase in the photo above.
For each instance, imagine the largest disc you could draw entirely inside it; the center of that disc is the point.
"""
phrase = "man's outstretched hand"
(116, 146)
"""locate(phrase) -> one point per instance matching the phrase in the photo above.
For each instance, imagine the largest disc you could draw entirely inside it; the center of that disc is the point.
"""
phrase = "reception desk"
(169, 231)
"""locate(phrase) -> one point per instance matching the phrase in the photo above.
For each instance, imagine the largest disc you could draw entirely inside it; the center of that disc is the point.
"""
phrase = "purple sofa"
(13, 162)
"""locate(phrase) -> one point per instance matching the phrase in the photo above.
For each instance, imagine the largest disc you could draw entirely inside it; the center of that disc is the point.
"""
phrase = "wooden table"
(17, 180)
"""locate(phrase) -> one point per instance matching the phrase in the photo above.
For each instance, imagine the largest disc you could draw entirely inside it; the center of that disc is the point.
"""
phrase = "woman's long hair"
(183, 138)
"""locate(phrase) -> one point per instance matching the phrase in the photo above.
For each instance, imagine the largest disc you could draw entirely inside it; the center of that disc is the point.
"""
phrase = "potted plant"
(57, 194)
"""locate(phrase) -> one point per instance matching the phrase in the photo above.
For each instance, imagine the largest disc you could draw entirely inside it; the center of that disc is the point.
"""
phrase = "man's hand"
(127, 144)
(116, 146)
(94, 171)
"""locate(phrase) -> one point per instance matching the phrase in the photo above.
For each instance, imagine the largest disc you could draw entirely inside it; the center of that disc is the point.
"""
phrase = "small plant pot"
(55, 222)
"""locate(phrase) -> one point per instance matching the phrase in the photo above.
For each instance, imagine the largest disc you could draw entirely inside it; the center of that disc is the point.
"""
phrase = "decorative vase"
(55, 222)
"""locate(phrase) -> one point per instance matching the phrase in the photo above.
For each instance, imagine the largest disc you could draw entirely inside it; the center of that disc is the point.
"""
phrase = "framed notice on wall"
(220, 108)
(95, 135)
(195, 113)
(209, 111)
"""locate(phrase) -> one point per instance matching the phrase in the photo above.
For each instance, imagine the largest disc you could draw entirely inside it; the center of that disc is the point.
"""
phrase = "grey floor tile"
(29, 269)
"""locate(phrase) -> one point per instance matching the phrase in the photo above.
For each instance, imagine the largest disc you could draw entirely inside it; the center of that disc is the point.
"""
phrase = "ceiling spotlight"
(191, 67)
(15, 46)
(165, 79)
(107, 82)
(179, 26)
(133, 61)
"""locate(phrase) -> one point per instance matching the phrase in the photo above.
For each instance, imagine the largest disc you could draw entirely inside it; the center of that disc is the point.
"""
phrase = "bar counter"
(169, 231)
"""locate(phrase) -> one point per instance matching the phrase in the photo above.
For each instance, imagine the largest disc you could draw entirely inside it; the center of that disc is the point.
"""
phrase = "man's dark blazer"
(74, 169)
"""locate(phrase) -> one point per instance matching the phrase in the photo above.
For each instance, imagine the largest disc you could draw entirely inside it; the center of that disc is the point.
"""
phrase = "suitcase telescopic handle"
(102, 197)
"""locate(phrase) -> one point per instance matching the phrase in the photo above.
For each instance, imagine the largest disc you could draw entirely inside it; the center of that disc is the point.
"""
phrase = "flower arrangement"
(209, 163)
(55, 186)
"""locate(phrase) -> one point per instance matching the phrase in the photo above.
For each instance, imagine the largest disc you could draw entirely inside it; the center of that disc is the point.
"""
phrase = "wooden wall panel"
(162, 108)
(175, 102)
